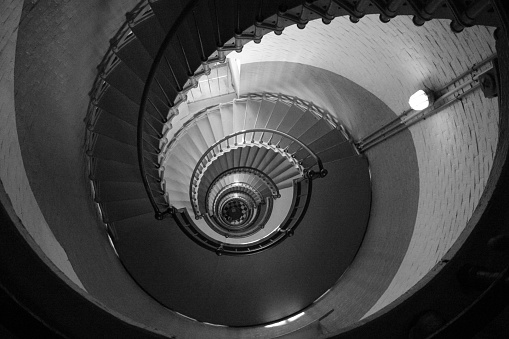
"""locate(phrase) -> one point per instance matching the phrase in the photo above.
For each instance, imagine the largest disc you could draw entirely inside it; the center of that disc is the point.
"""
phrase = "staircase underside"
(261, 288)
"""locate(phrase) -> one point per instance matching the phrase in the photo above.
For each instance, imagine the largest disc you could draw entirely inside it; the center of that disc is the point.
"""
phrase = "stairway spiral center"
(235, 211)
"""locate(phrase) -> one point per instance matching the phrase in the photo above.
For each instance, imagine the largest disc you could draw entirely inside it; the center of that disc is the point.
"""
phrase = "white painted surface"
(455, 148)
(12, 170)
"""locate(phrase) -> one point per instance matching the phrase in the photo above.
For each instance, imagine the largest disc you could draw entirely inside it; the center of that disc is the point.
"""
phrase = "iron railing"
(302, 190)
(231, 140)
(280, 17)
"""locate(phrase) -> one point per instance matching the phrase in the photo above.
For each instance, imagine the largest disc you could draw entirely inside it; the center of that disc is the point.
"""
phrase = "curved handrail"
(322, 172)
(244, 170)
(143, 103)
(302, 196)
(308, 174)
(459, 21)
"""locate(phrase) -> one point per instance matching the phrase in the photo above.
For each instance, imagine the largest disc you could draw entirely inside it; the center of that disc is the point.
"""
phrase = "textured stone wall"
(454, 148)
(12, 169)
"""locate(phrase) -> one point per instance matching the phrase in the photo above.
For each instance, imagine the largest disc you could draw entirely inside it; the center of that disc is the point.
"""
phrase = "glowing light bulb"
(420, 100)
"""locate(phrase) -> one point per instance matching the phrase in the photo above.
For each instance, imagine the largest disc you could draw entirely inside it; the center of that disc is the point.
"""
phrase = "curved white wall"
(12, 170)
(455, 148)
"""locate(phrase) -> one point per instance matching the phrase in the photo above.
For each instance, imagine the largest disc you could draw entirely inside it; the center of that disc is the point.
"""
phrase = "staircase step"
(170, 176)
(115, 211)
(183, 204)
(178, 195)
(110, 149)
(206, 131)
(252, 111)
(285, 179)
(187, 142)
(261, 157)
(105, 170)
(239, 117)
(215, 122)
(287, 183)
(146, 220)
(275, 163)
(127, 82)
(175, 184)
(305, 122)
(342, 151)
(278, 113)
(135, 56)
(117, 191)
(313, 133)
(253, 151)
(227, 119)
(236, 157)
(174, 167)
(284, 167)
(332, 138)
(244, 154)
(115, 128)
(191, 30)
(117, 104)
(291, 117)
(151, 35)
(230, 159)
(264, 114)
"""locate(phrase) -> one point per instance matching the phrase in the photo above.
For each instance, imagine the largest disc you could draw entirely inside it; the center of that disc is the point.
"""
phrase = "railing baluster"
(189, 70)
(157, 110)
(155, 130)
(219, 40)
(203, 56)
(179, 88)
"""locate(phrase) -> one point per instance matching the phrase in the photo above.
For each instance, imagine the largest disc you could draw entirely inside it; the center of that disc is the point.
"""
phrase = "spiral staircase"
(194, 213)
(222, 176)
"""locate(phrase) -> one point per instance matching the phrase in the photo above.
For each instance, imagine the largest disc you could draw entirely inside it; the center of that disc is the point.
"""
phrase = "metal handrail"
(286, 229)
(143, 103)
(308, 174)
(322, 172)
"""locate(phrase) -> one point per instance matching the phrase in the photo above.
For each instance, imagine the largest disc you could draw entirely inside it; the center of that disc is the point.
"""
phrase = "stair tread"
(151, 35)
(167, 12)
(116, 191)
(227, 119)
(115, 128)
(264, 113)
(111, 149)
(119, 210)
(117, 104)
(106, 170)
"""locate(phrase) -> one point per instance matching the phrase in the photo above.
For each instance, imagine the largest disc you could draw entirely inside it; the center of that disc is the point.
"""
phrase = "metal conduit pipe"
(411, 121)
(474, 68)
(415, 119)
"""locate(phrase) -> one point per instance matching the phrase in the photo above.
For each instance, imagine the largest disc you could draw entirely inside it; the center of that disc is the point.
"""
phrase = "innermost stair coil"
(236, 210)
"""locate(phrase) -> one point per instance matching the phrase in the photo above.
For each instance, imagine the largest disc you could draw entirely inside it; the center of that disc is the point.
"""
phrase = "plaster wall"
(59, 45)
(455, 148)
(394, 185)
(12, 170)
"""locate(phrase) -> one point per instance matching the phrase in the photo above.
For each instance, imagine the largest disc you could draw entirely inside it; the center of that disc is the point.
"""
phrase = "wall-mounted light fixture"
(421, 100)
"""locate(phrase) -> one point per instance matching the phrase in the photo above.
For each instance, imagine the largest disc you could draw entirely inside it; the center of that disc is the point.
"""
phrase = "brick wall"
(454, 148)
(12, 171)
